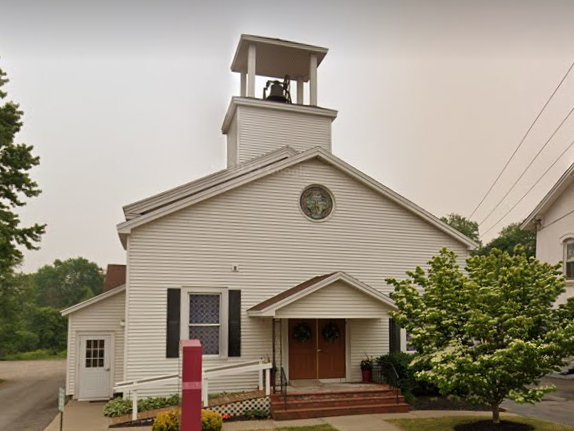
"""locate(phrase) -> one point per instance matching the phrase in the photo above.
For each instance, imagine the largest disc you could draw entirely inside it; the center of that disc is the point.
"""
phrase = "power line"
(522, 140)
(530, 189)
(528, 167)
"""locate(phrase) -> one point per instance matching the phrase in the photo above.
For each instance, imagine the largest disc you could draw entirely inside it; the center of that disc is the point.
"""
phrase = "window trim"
(568, 241)
(223, 316)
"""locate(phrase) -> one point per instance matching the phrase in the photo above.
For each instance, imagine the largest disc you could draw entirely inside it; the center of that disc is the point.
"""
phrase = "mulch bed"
(445, 403)
(487, 425)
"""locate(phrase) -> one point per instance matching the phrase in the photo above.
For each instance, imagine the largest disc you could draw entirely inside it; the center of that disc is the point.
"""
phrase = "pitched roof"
(217, 187)
(115, 276)
(159, 200)
(289, 292)
(562, 184)
(94, 300)
(269, 306)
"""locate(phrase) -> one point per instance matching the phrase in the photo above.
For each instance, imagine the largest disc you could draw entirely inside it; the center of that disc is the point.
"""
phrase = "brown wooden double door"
(317, 357)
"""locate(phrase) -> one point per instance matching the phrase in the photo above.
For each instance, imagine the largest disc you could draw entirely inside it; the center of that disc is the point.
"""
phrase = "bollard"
(191, 376)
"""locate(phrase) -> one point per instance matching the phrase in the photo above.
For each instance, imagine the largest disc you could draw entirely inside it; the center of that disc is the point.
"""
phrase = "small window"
(95, 353)
(569, 259)
(204, 321)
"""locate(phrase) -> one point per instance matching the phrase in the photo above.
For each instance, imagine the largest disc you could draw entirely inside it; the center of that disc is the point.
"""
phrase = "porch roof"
(334, 295)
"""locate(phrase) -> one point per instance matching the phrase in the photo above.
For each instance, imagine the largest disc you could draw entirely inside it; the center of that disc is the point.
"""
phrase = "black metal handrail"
(391, 379)
(284, 388)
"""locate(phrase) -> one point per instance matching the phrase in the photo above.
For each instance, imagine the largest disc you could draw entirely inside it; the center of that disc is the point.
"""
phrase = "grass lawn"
(35, 355)
(448, 423)
(311, 428)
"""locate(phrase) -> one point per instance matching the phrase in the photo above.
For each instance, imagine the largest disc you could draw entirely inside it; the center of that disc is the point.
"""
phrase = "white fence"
(263, 369)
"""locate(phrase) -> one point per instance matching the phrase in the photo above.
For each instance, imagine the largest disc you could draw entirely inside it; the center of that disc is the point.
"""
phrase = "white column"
(300, 88)
(251, 70)
(313, 80)
(134, 395)
(243, 91)
(267, 381)
(205, 392)
(261, 371)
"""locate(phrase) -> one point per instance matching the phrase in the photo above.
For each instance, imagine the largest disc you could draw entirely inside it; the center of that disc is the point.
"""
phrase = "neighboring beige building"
(284, 254)
(553, 221)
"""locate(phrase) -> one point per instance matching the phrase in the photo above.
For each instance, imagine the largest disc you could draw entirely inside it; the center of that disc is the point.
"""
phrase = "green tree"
(65, 283)
(511, 236)
(463, 225)
(491, 331)
(16, 160)
(49, 326)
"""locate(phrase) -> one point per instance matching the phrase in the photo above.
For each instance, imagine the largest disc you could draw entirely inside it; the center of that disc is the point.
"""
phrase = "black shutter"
(173, 316)
(234, 339)
(394, 336)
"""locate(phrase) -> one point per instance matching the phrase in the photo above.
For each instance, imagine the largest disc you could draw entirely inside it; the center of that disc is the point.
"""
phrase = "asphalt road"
(29, 396)
(555, 407)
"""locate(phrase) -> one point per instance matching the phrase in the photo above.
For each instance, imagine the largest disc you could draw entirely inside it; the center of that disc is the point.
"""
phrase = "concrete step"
(334, 395)
(279, 404)
(306, 413)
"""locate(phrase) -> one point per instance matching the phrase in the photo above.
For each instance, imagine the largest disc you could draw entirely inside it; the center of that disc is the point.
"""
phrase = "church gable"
(263, 220)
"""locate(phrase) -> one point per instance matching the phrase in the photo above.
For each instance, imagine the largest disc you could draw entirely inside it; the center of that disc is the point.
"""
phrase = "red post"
(191, 385)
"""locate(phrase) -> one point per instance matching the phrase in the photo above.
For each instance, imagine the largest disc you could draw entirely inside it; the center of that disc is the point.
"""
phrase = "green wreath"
(331, 332)
(302, 332)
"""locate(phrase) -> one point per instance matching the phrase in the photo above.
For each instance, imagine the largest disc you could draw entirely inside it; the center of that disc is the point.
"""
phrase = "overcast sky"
(124, 99)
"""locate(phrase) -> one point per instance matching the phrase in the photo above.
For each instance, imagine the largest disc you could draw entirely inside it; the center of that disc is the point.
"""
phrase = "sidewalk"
(84, 416)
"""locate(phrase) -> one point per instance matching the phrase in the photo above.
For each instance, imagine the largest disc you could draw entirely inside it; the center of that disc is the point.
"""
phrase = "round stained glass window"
(316, 202)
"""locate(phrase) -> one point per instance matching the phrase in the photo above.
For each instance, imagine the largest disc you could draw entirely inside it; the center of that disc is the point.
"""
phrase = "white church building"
(283, 255)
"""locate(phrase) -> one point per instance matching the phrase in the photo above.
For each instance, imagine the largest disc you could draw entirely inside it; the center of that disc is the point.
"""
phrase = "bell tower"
(258, 125)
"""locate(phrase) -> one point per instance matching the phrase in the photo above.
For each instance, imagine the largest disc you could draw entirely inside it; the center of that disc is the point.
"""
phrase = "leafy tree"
(491, 331)
(463, 225)
(67, 282)
(511, 236)
(50, 328)
(16, 160)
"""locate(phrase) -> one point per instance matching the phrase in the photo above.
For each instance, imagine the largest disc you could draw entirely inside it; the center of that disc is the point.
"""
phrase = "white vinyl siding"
(556, 230)
(103, 317)
(260, 131)
(232, 144)
(338, 300)
(368, 337)
(260, 227)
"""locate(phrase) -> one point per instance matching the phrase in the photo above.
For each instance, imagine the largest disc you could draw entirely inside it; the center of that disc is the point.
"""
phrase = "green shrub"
(255, 414)
(407, 382)
(211, 421)
(167, 421)
(170, 421)
(120, 406)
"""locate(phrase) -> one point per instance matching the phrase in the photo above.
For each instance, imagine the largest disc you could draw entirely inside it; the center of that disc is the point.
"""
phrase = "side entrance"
(95, 380)
(317, 349)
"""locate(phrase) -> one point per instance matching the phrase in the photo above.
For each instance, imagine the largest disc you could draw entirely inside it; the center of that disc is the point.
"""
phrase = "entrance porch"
(323, 328)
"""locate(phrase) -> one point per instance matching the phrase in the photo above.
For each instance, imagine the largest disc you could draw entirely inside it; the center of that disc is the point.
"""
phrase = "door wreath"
(302, 332)
(331, 332)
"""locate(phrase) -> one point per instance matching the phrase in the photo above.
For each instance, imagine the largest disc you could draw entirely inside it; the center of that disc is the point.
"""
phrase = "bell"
(277, 93)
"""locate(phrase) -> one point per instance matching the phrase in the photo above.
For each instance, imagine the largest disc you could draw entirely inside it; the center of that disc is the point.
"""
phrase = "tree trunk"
(496, 413)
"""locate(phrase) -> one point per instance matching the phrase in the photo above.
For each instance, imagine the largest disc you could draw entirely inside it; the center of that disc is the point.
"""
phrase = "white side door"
(95, 370)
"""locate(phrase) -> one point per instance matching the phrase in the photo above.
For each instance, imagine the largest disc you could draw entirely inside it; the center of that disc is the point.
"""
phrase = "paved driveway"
(555, 407)
(29, 396)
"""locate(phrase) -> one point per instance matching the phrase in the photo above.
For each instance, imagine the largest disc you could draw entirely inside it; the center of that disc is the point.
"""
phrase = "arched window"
(569, 258)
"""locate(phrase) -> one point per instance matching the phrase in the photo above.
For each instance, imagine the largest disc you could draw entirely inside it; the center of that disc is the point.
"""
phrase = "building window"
(569, 259)
(205, 321)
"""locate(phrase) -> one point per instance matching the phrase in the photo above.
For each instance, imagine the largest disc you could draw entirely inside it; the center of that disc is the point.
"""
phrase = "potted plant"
(367, 369)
